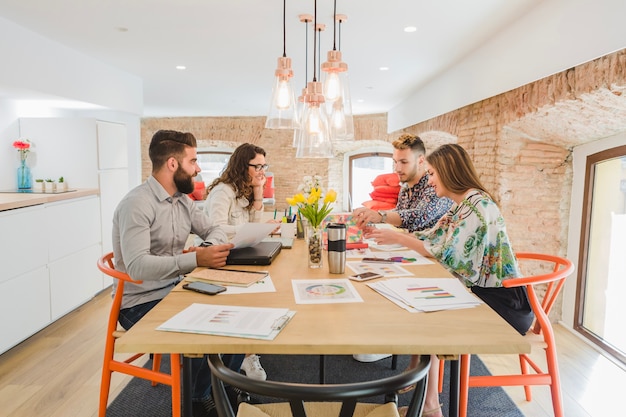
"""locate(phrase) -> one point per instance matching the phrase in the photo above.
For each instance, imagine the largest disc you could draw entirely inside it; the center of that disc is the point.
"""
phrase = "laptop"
(263, 253)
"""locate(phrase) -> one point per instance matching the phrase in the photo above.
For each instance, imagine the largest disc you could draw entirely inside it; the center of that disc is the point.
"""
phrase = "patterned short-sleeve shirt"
(472, 243)
(419, 207)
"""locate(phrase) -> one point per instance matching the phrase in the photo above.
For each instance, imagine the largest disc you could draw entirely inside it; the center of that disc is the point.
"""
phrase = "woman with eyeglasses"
(235, 199)
(236, 196)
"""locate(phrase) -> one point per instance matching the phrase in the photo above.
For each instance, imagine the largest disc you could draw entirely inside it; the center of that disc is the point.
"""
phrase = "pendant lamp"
(282, 113)
(337, 89)
(315, 136)
(297, 132)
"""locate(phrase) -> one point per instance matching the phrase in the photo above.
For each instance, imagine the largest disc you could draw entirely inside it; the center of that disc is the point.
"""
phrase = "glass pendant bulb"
(282, 105)
(315, 140)
(332, 87)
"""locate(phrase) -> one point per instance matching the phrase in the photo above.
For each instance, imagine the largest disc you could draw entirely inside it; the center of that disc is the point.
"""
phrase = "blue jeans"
(201, 375)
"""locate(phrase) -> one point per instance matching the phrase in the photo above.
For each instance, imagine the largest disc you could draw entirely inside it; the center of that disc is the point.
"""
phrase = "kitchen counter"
(9, 201)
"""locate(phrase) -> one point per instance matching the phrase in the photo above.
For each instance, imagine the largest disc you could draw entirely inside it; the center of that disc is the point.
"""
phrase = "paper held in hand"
(227, 277)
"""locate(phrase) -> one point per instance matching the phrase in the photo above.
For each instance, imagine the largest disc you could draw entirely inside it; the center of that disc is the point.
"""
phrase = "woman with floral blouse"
(470, 241)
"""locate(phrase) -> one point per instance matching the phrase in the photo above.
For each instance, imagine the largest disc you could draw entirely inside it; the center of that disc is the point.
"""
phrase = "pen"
(274, 214)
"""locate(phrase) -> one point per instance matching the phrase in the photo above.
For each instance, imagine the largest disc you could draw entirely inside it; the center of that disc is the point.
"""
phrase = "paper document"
(427, 294)
(248, 322)
(325, 291)
(252, 233)
(384, 269)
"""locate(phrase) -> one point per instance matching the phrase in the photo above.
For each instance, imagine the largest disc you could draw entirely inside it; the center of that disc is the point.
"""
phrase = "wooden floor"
(56, 373)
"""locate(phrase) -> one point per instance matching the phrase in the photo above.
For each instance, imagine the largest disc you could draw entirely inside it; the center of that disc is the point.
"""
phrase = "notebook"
(263, 253)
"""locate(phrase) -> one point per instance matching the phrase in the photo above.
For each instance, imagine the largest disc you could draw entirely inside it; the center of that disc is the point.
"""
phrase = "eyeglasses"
(259, 167)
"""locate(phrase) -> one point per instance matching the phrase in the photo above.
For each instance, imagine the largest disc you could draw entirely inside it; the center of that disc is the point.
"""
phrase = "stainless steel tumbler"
(336, 248)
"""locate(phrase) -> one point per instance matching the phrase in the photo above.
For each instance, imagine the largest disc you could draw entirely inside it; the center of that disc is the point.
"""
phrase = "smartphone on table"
(365, 276)
(204, 287)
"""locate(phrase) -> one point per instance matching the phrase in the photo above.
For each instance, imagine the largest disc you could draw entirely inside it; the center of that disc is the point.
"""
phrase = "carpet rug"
(140, 399)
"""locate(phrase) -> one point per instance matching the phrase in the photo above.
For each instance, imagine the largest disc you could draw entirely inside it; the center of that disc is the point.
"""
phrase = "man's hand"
(362, 216)
(212, 256)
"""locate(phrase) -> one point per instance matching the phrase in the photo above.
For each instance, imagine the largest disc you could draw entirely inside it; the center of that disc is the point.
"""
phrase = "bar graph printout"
(426, 294)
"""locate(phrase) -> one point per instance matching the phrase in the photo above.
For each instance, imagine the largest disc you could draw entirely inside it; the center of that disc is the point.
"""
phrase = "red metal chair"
(541, 335)
(105, 264)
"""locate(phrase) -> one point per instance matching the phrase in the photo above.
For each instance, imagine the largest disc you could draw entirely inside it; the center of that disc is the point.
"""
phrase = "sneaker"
(252, 367)
(365, 357)
(204, 408)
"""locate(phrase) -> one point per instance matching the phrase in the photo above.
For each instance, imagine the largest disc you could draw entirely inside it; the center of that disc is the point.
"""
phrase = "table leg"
(453, 410)
(186, 387)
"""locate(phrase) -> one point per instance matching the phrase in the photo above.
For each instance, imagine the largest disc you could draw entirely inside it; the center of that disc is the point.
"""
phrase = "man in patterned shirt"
(418, 206)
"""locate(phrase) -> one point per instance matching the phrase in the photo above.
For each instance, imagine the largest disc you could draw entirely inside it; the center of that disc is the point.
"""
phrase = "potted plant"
(50, 186)
(61, 184)
(39, 185)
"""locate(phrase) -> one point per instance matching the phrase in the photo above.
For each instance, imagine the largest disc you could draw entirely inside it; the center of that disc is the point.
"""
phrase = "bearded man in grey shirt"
(150, 228)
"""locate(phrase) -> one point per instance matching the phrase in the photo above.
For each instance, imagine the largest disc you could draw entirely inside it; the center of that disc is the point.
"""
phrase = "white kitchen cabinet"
(72, 225)
(74, 279)
(23, 241)
(49, 254)
(24, 306)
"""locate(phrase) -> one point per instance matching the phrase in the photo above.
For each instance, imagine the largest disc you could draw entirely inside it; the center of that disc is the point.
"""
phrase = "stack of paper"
(426, 294)
(249, 322)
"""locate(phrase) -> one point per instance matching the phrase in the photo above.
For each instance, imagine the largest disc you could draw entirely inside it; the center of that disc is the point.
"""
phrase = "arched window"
(362, 169)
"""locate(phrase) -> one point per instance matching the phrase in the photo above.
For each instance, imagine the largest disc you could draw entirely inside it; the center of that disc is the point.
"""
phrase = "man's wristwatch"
(383, 216)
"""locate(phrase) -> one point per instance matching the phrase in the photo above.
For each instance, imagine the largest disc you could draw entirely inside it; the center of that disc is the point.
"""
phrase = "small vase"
(314, 245)
(24, 179)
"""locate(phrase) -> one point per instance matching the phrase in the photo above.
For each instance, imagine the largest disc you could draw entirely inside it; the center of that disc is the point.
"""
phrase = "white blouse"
(227, 211)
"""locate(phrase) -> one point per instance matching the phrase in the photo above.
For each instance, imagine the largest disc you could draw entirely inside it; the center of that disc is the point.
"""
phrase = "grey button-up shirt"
(150, 229)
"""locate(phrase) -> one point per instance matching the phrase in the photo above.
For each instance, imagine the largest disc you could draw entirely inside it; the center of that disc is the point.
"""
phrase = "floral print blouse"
(472, 243)
(421, 208)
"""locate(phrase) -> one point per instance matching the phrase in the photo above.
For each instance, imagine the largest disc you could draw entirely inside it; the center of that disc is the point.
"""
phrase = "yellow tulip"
(331, 196)
(299, 198)
(312, 198)
(291, 201)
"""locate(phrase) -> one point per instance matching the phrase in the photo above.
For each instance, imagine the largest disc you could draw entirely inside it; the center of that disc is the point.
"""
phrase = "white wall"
(567, 33)
(33, 64)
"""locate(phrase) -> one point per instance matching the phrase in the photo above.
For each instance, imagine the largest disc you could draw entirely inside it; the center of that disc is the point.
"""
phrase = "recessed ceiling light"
(410, 29)
(384, 68)
(181, 67)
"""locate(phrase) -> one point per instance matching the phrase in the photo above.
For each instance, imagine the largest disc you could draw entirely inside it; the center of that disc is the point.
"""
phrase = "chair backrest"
(561, 269)
(106, 265)
(296, 393)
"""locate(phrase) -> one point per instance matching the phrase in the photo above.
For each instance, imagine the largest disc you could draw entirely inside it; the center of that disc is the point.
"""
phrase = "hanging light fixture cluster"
(314, 130)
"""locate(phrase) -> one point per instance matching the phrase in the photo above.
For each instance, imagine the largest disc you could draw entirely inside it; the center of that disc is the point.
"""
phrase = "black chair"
(320, 399)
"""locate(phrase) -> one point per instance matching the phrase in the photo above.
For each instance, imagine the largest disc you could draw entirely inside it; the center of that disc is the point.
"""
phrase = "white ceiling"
(230, 47)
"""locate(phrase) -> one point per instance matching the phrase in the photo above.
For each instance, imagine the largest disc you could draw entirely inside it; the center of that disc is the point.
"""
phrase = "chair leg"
(464, 373)
(555, 383)
(105, 385)
(176, 382)
(156, 365)
(523, 364)
(441, 375)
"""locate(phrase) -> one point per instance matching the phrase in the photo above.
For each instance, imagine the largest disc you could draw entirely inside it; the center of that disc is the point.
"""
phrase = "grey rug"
(140, 399)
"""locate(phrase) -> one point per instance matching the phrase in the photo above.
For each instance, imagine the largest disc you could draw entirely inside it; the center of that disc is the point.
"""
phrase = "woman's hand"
(384, 236)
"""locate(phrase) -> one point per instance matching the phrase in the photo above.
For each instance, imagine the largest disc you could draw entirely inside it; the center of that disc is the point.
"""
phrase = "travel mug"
(336, 248)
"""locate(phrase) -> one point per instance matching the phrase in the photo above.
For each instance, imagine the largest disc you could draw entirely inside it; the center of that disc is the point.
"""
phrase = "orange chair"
(105, 264)
(541, 334)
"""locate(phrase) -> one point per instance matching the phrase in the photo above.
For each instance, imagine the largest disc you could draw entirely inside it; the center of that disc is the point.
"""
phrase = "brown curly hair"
(236, 172)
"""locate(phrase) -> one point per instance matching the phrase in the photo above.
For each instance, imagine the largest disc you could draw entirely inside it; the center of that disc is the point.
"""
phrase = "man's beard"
(183, 181)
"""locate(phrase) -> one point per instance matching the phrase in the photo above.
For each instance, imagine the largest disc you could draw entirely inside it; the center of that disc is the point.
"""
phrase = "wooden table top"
(373, 326)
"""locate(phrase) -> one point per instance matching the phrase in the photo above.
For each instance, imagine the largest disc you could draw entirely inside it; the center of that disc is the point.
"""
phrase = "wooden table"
(375, 326)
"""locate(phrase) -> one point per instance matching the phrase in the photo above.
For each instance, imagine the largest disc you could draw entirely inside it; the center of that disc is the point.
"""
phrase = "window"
(363, 168)
(600, 308)
(212, 163)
